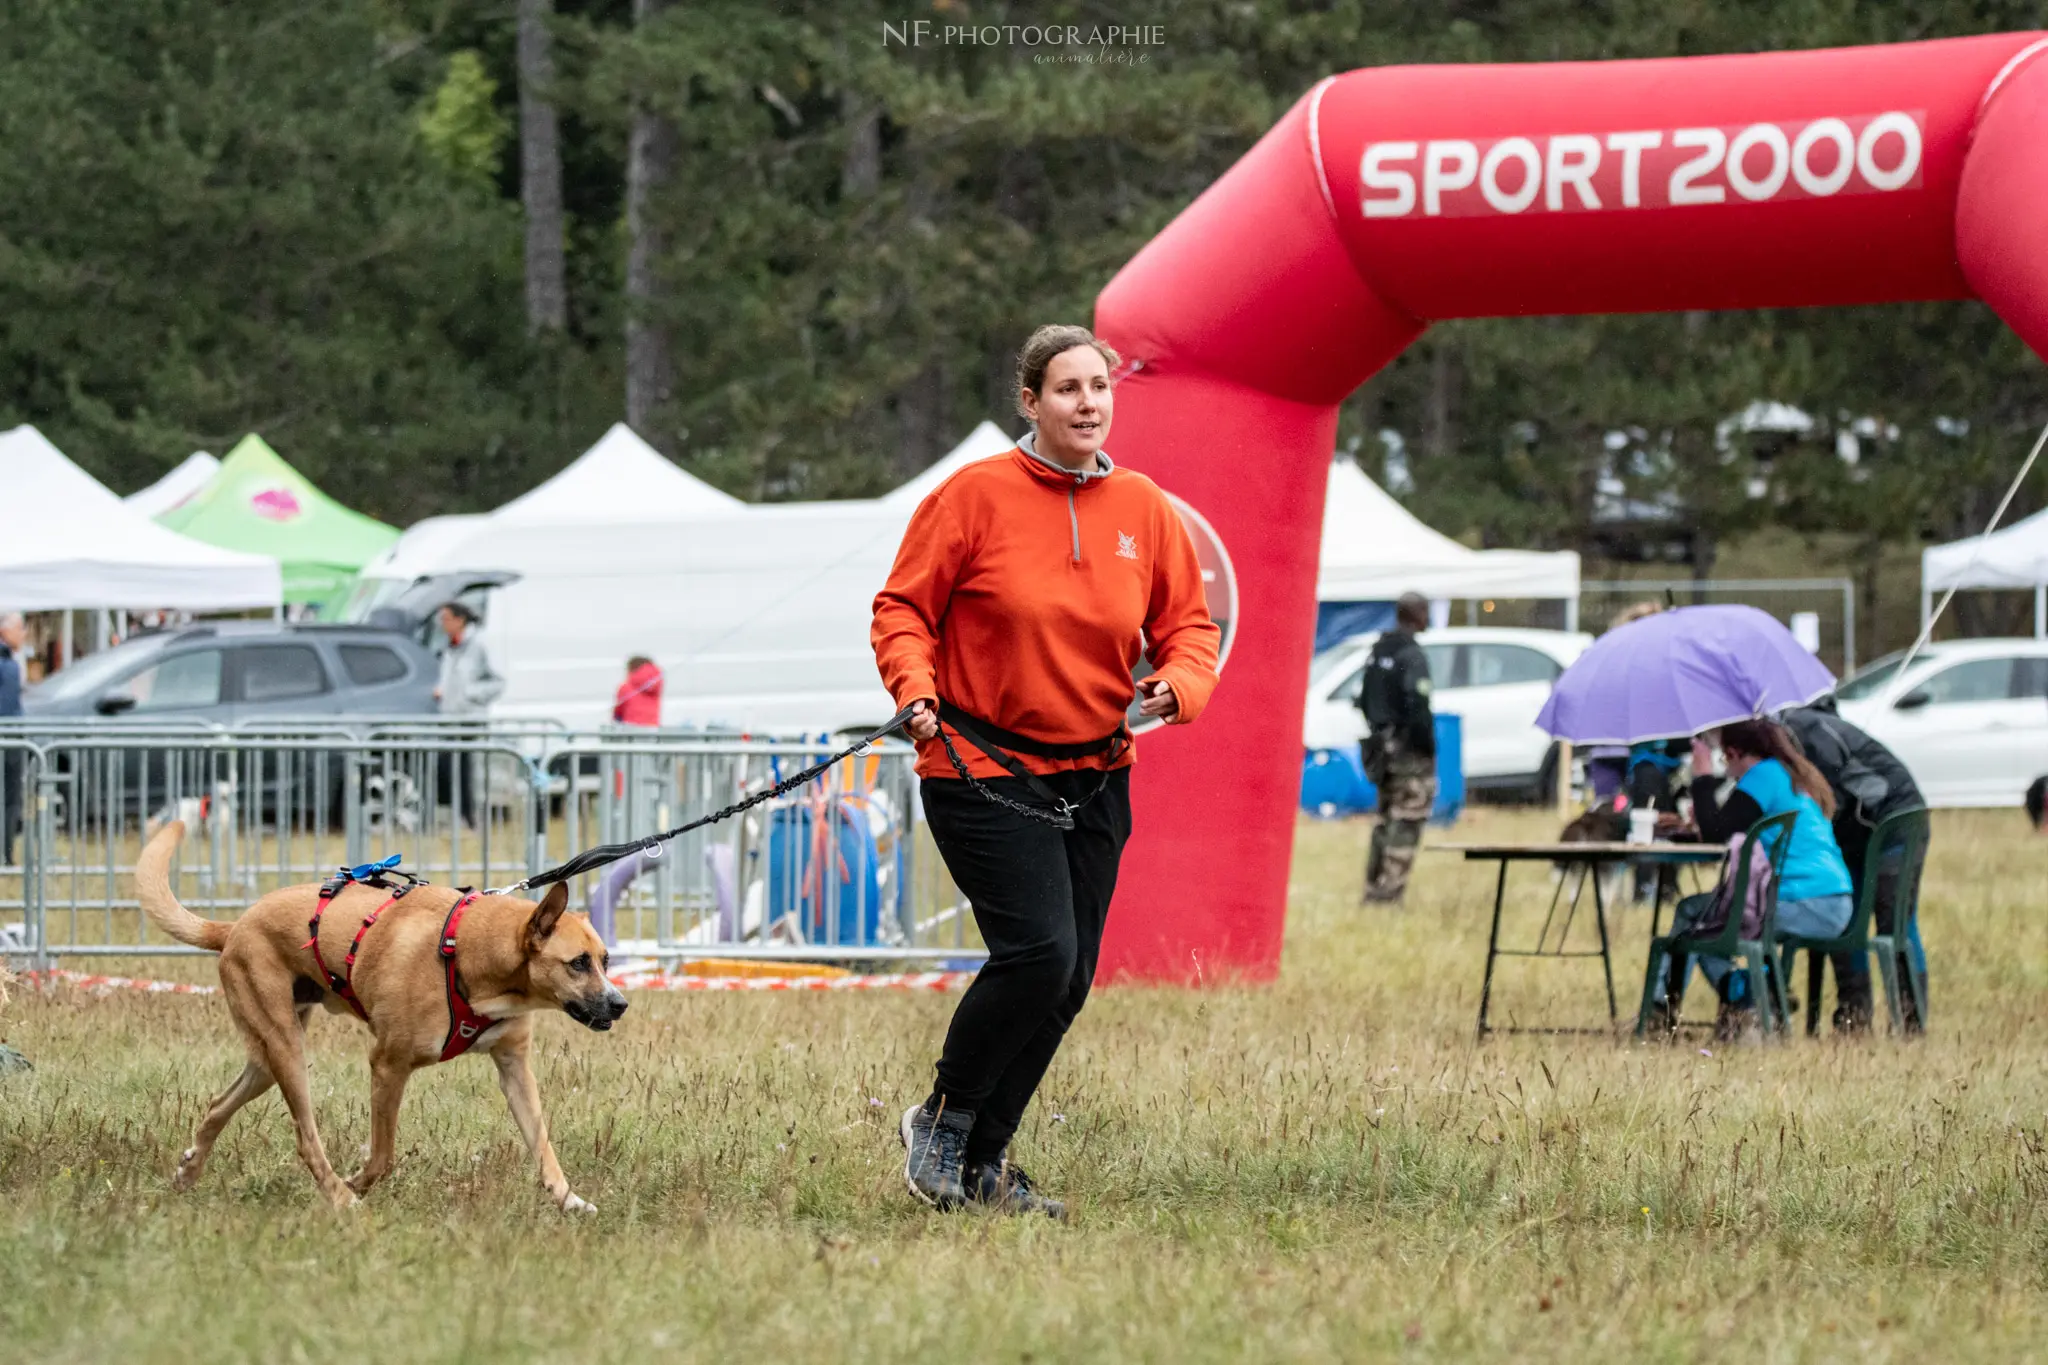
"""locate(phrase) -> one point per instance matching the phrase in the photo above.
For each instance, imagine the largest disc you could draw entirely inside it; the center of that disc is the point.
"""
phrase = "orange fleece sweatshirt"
(1024, 594)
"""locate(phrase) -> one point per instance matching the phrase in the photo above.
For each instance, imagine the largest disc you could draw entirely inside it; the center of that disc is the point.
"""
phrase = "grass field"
(1323, 1168)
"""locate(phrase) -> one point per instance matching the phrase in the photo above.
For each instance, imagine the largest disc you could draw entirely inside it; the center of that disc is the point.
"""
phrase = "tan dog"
(512, 959)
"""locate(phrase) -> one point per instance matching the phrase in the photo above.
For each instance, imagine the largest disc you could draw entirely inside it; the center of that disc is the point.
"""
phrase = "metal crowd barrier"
(841, 870)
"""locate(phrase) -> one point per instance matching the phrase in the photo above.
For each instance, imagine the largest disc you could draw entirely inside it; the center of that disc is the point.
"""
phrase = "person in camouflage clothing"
(1400, 749)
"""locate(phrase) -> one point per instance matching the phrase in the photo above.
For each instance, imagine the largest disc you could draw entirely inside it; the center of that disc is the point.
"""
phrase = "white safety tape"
(630, 981)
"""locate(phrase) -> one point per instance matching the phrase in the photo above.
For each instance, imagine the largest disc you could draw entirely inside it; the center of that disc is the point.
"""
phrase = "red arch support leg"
(1203, 889)
(2002, 206)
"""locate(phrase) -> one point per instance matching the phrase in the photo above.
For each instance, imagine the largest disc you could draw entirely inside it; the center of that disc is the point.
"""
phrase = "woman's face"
(1737, 762)
(1072, 406)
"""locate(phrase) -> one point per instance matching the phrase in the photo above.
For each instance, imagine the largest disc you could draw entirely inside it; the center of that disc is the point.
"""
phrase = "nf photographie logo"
(1106, 44)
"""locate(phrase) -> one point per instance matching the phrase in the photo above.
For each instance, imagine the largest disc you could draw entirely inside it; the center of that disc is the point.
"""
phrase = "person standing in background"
(639, 697)
(467, 688)
(13, 632)
(1400, 749)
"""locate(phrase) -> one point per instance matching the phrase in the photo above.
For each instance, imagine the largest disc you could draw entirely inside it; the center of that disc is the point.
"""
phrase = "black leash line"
(593, 858)
(1060, 816)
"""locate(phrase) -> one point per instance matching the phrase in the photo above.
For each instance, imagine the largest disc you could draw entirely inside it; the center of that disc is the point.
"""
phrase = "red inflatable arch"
(1389, 199)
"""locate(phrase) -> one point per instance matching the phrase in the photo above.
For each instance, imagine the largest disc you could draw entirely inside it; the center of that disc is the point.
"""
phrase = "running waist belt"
(996, 742)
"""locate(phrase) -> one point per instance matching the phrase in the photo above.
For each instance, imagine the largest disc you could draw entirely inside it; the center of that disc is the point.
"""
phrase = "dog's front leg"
(388, 1075)
(522, 1096)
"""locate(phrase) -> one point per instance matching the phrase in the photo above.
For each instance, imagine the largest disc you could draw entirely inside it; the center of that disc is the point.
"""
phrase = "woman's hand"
(1158, 699)
(924, 720)
(1702, 757)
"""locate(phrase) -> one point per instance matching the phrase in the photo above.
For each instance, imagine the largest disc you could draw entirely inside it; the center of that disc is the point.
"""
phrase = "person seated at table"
(1766, 775)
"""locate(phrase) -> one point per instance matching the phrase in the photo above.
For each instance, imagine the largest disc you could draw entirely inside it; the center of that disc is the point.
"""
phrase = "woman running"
(1024, 593)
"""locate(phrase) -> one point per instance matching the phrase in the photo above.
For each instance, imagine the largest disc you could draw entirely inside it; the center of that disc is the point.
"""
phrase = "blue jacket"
(10, 683)
(1813, 864)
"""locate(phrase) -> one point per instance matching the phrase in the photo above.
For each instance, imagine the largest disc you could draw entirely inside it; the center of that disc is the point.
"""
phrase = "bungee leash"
(994, 741)
(605, 854)
(990, 739)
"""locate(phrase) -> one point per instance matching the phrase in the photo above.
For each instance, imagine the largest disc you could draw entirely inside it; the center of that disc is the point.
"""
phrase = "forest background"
(430, 249)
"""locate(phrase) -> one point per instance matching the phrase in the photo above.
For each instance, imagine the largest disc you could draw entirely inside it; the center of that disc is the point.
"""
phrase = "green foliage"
(462, 126)
(305, 221)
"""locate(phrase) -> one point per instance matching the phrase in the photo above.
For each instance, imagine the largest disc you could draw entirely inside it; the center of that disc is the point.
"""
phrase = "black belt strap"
(992, 739)
(979, 730)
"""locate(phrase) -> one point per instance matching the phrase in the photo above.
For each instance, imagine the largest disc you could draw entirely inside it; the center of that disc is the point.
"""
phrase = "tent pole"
(64, 637)
(2041, 611)
(1571, 613)
(1848, 627)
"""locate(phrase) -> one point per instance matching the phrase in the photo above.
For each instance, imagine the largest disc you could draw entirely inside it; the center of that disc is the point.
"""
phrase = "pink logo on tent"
(277, 504)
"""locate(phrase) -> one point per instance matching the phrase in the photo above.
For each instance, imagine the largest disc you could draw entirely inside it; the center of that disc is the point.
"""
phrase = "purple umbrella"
(1680, 672)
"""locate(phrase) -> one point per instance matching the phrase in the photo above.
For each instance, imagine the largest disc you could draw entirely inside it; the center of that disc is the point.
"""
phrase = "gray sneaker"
(1003, 1187)
(934, 1154)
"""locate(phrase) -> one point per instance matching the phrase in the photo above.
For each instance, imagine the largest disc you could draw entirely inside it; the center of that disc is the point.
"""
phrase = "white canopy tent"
(984, 442)
(758, 615)
(191, 475)
(70, 542)
(2016, 557)
(1374, 550)
(620, 478)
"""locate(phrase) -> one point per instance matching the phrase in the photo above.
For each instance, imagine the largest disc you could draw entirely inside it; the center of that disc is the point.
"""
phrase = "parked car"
(1968, 718)
(1495, 679)
(239, 671)
(231, 673)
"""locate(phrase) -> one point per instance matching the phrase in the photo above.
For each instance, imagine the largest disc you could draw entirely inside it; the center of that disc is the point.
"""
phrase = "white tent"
(188, 478)
(619, 478)
(420, 550)
(2016, 557)
(759, 621)
(984, 442)
(68, 542)
(1374, 550)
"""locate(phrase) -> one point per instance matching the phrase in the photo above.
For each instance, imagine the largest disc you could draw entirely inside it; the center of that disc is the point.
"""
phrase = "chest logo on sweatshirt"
(1126, 546)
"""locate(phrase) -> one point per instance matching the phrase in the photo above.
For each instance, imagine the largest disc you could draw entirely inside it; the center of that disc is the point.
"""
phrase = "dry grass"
(1325, 1168)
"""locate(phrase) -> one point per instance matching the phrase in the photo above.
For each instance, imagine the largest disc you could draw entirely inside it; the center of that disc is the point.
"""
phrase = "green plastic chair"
(1765, 987)
(1907, 832)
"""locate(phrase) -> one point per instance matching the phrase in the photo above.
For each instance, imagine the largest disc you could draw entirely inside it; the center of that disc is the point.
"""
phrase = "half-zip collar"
(1053, 472)
(1058, 475)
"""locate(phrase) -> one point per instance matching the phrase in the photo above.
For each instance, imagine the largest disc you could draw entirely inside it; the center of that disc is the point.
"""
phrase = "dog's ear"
(547, 915)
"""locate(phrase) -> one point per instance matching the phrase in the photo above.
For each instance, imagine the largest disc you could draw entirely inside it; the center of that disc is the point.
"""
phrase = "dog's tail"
(153, 882)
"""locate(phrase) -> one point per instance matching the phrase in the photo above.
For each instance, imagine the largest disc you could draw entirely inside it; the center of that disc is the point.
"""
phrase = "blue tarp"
(1337, 622)
(841, 903)
(1333, 781)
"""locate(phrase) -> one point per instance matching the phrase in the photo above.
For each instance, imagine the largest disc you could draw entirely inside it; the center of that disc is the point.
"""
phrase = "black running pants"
(1040, 898)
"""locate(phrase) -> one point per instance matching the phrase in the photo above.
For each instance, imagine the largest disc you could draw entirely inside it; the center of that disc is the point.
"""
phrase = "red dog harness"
(465, 1025)
(342, 983)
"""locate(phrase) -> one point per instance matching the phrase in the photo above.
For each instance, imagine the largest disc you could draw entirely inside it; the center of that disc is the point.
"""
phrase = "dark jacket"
(1395, 693)
(10, 683)
(1869, 781)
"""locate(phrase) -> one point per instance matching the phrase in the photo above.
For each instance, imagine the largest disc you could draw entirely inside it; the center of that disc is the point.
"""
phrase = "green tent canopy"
(260, 504)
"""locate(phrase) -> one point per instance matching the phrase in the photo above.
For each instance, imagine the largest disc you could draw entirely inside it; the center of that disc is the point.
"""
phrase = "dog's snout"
(599, 1011)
